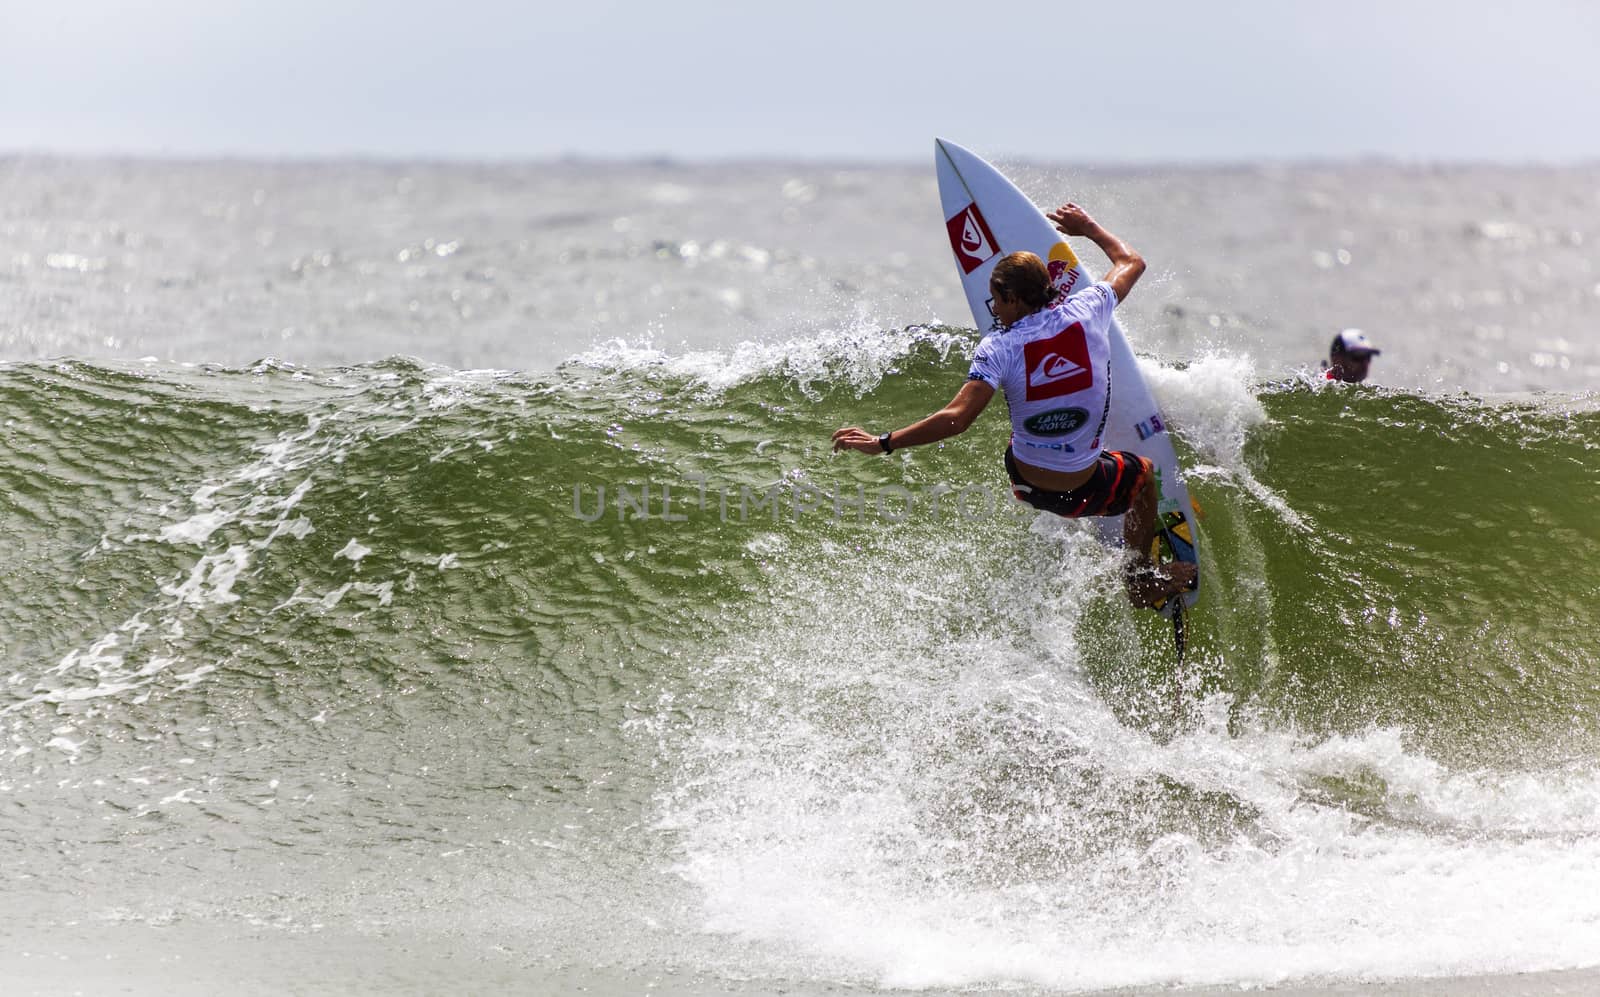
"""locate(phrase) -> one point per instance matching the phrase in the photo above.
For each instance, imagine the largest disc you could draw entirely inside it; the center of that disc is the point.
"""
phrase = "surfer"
(1350, 357)
(1051, 359)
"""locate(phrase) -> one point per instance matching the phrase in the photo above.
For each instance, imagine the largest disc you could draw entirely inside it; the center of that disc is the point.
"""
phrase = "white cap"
(1354, 341)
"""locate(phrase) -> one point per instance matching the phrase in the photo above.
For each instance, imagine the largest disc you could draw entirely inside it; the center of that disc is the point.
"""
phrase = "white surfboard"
(987, 217)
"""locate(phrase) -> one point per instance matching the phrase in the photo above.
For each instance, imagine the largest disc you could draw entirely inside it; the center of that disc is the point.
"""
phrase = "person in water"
(1350, 357)
(1051, 360)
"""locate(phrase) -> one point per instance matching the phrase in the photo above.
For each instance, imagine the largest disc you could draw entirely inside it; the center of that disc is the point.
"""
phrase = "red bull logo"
(1063, 267)
(971, 239)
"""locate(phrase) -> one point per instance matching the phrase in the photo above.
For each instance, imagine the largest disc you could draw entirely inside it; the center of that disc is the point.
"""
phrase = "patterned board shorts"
(1109, 492)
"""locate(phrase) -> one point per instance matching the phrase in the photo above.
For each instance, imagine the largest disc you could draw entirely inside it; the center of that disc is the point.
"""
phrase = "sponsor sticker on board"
(971, 239)
(1063, 267)
(1150, 427)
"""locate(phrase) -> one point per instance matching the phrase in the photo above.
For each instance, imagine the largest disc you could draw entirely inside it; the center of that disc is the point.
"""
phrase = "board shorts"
(1117, 478)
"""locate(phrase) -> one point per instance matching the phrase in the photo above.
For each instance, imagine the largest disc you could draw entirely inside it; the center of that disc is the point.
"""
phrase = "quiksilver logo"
(973, 241)
(970, 238)
(1054, 367)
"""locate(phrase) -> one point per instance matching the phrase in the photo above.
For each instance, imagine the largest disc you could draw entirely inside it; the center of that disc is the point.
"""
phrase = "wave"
(1345, 527)
(887, 726)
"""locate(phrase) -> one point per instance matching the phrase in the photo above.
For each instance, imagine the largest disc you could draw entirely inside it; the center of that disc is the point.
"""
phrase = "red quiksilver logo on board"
(971, 239)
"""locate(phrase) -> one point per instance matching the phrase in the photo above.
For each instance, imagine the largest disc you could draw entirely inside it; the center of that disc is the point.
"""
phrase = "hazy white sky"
(835, 79)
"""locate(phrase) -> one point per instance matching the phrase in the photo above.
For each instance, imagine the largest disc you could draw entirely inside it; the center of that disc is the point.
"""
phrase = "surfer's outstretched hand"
(1070, 219)
(855, 438)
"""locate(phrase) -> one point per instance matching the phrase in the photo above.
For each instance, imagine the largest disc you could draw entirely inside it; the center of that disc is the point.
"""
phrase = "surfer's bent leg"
(1148, 583)
(1123, 483)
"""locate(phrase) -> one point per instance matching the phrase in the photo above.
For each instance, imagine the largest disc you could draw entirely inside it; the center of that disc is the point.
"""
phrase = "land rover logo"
(1056, 422)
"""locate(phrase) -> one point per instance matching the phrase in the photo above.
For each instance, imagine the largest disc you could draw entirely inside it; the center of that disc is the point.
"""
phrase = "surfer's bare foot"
(1147, 586)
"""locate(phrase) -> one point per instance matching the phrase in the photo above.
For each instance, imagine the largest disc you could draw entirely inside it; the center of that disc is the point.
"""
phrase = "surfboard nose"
(950, 150)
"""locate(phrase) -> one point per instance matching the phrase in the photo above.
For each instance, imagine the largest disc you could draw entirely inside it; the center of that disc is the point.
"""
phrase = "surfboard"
(986, 217)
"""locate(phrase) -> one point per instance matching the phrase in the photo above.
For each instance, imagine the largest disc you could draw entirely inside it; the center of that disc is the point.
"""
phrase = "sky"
(1157, 81)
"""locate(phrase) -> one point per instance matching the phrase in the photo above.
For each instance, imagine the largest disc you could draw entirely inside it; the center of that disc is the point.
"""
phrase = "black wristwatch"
(883, 441)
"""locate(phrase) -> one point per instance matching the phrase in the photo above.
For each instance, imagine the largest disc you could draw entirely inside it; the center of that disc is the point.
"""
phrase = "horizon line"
(675, 161)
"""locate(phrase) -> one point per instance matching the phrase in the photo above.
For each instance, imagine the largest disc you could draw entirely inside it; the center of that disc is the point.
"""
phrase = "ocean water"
(434, 578)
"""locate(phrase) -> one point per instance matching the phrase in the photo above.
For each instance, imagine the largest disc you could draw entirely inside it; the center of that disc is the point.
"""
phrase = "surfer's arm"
(952, 420)
(1127, 266)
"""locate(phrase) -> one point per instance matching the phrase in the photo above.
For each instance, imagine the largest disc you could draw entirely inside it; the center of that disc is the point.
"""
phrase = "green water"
(379, 618)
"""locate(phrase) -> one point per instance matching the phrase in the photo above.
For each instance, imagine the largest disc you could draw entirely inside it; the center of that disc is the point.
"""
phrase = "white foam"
(212, 578)
(354, 550)
(860, 356)
(1212, 400)
(1212, 405)
(846, 869)
(940, 798)
(197, 529)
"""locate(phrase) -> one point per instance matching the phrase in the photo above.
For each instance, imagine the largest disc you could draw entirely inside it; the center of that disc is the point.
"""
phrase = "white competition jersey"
(1053, 367)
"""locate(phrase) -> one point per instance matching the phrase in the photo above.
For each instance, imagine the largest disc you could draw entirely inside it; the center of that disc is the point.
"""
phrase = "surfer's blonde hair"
(1022, 276)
